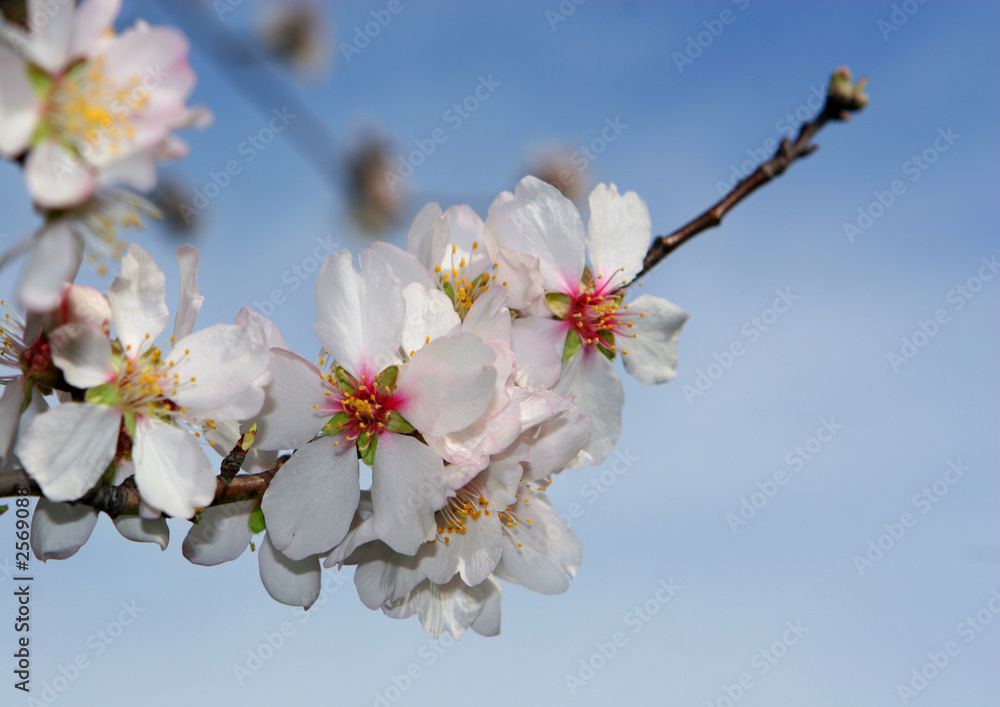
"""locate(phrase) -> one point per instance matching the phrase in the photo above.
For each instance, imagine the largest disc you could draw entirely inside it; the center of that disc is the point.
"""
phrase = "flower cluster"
(466, 371)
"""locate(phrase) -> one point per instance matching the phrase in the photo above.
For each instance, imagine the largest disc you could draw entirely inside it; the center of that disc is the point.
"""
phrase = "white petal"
(652, 354)
(144, 530)
(447, 384)
(520, 276)
(19, 104)
(474, 554)
(488, 622)
(171, 470)
(93, 18)
(295, 408)
(408, 485)
(405, 266)
(556, 443)
(429, 315)
(266, 329)
(451, 608)
(55, 258)
(309, 504)
(539, 363)
(190, 300)
(138, 300)
(536, 219)
(10, 415)
(359, 315)
(58, 530)
(217, 365)
(221, 533)
(84, 355)
(85, 305)
(420, 239)
(618, 234)
(599, 393)
(542, 555)
(68, 448)
(56, 177)
(385, 576)
(489, 318)
(52, 28)
(296, 583)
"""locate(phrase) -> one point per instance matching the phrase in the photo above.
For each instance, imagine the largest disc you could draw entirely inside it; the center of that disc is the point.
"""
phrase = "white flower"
(140, 402)
(588, 321)
(372, 401)
(90, 108)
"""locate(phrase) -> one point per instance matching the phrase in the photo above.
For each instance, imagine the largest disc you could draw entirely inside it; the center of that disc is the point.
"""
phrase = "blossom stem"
(839, 104)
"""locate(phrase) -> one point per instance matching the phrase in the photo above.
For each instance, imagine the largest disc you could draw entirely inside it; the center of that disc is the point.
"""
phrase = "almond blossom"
(140, 403)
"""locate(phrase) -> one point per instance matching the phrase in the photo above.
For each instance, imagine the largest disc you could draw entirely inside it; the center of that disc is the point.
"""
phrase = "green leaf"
(368, 453)
(559, 303)
(573, 344)
(256, 521)
(387, 378)
(336, 423)
(397, 424)
(347, 383)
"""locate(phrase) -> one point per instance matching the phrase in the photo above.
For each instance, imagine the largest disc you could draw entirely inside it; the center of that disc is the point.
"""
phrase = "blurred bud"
(15, 11)
(169, 198)
(377, 201)
(558, 169)
(296, 33)
(845, 96)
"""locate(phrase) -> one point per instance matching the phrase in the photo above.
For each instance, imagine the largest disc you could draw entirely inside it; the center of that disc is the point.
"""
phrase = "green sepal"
(609, 338)
(448, 290)
(256, 521)
(559, 304)
(109, 474)
(397, 424)
(347, 383)
(387, 378)
(40, 80)
(368, 450)
(102, 395)
(336, 423)
(29, 388)
(129, 418)
(573, 344)
(4, 509)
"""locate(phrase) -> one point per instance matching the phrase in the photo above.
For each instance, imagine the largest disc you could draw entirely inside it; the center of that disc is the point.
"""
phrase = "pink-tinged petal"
(85, 305)
(221, 534)
(144, 530)
(171, 470)
(58, 530)
(68, 448)
(553, 331)
(556, 444)
(429, 315)
(652, 354)
(618, 234)
(539, 364)
(216, 366)
(291, 582)
(489, 318)
(408, 486)
(93, 18)
(310, 502)
(385, 576)
(447, 384)
(421, 239)
(20, 105)
(543, 555)
(190, 300)
(55, 258)
(267, 330)
(405, 267)
(52, 32)
(520, 276)
(296, 406)
(83, 353)
(138, 301)
(57, 178)
(359, 314)
(538, 220)
(591, 379)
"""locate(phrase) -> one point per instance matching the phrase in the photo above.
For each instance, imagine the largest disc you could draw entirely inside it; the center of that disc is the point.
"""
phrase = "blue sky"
(822, 364)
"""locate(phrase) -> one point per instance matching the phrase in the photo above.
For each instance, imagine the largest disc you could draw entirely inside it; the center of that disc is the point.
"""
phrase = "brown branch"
(843, 98)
